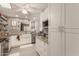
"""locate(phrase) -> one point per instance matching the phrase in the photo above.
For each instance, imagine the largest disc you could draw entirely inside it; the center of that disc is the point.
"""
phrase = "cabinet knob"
(61, 29)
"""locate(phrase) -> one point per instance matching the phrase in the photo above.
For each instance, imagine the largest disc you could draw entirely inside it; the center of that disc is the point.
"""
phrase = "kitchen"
(39, 29)
(21, 28)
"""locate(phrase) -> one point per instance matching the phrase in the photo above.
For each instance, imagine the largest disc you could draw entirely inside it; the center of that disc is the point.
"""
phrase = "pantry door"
(72, 29)
(56, 35)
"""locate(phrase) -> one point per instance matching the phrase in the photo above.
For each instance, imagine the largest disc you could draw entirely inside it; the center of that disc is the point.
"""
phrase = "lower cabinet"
(41, 47)
(24, 39)
(4, 48)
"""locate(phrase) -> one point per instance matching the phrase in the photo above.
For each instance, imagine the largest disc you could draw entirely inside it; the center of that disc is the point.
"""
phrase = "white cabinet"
(41, 47)
(13, 41)
(72, 15)
(25, 39)
(54, 34)
(63, 29)
(72, 29)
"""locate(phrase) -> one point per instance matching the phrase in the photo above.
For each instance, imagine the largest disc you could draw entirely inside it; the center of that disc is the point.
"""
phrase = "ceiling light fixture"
(16, 15)
(24, 11)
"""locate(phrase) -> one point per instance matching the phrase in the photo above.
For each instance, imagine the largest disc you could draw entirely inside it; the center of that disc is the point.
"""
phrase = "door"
(55, 39)
(72, 29)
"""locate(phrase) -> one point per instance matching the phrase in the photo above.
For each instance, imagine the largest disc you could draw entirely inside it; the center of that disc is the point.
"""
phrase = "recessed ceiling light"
(24, 11)
(16, 15)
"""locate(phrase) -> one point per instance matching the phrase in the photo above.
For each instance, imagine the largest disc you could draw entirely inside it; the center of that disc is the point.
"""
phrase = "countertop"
(44, 39)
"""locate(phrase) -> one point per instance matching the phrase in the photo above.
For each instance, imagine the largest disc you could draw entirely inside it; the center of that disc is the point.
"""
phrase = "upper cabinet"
(63, 17)
(54, 15)
(72, 29)
(72, 15)
(55, 34)
(15, 24)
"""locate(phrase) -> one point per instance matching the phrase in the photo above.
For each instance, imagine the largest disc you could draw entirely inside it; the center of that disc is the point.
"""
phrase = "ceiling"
(22, 9)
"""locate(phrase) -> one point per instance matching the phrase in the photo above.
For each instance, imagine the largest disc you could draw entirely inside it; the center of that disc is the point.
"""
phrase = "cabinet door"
(45, 49)
(72, 29)
(12, 40)
(55, 36)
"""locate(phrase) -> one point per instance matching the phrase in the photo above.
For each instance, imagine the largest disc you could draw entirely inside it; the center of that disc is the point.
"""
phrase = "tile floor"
(26, 50)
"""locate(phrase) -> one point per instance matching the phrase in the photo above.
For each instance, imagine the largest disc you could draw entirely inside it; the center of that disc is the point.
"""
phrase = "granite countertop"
(44, 39)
